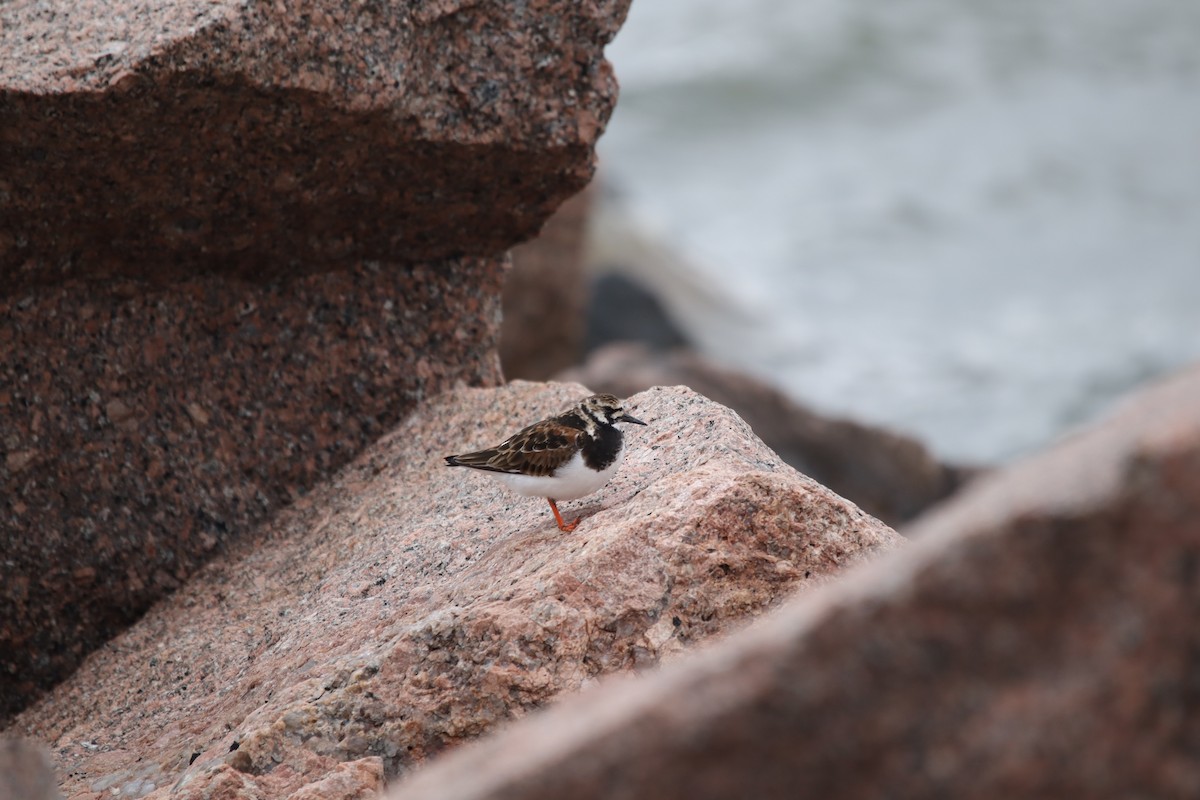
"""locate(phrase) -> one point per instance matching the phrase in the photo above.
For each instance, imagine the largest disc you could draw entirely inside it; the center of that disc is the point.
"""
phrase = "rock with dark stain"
(156, 140)
(237, 242)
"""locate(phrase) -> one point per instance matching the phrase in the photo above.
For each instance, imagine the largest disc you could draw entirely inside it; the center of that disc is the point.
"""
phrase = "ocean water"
(975, 221)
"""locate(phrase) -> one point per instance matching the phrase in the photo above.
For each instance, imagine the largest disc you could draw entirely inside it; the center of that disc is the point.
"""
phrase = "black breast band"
(601, 451)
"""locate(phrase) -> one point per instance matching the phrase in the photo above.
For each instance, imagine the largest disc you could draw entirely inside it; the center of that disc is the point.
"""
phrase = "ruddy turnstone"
(564, 457)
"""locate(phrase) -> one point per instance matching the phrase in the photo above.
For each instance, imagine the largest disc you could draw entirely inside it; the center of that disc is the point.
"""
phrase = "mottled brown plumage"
(564, 457)
(536, 450)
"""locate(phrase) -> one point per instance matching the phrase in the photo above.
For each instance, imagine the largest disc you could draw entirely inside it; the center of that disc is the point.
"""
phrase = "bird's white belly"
(572, 481)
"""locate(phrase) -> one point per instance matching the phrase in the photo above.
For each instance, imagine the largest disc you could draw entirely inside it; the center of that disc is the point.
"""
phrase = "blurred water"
(973, 220)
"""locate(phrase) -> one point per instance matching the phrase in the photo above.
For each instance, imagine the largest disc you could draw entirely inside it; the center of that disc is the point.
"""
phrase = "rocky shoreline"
(236, 343)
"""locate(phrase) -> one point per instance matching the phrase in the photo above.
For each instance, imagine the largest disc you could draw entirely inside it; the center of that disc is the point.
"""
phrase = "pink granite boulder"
(405, 607)
(143, 429)
(545, 297)
(239, 240)
(153, 140)
(26, 772)
(1038, 640)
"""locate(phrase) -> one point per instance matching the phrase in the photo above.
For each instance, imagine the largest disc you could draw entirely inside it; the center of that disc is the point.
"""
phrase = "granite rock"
(1037, 640)
(155, 140)
(350, 780)
(545, 297)
(663, 293)
(622, 309)
(238, 240)
(26, 772)
(404, 607)
(143, 430)
(889, 475)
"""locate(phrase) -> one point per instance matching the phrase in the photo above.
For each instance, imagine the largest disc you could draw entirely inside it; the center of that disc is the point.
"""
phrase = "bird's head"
(606, 409)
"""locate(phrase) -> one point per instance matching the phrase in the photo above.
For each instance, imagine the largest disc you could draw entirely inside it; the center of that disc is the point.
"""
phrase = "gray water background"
(976, 221)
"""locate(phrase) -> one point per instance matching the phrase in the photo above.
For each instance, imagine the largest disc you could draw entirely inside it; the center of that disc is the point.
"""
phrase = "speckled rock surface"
(142, 431)
(152, 140)
(1038, 640)
(888, 475)
(404, 607)
(350, 780)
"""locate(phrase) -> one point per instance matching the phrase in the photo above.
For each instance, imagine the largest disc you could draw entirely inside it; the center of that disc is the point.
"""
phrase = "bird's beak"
(626, 418)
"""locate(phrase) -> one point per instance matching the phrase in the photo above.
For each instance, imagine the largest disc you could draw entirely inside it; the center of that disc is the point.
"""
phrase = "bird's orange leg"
(562, 526)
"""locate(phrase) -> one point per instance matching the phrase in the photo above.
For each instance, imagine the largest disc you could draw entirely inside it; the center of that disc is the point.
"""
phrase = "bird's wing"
(537, 450)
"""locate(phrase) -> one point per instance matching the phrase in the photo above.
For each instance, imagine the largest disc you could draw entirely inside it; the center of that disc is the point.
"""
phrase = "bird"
(563, 457)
